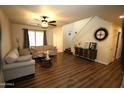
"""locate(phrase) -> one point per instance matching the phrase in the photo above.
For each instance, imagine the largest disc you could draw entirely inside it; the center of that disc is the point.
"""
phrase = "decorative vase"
(47, 55)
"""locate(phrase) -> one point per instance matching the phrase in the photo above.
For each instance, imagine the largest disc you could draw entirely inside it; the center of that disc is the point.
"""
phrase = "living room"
(79, 48)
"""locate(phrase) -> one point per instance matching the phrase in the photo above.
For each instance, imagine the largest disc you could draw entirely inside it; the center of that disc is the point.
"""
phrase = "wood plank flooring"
(69, 71)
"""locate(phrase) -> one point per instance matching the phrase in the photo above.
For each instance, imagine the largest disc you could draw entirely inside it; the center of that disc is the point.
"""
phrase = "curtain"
(26, 39)
(122, 56)
(45, 38)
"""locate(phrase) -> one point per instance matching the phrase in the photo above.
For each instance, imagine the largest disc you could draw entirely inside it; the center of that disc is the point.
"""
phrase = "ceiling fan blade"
(52, 21)
(53, 24)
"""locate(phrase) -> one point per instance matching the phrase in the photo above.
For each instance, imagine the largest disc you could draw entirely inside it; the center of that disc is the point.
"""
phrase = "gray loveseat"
(16, 66)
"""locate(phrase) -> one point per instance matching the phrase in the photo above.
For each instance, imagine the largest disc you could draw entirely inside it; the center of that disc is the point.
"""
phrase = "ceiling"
(63, 14)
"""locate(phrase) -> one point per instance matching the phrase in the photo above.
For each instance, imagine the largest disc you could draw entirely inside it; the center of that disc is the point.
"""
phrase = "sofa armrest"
(24, 58)
(18, 64)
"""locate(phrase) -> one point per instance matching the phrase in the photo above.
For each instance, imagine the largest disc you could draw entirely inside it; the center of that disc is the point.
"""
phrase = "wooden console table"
(86, 53)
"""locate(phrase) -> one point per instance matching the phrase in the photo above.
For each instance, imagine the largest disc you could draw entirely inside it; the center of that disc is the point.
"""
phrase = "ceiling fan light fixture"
(121, 17)
(44, 24)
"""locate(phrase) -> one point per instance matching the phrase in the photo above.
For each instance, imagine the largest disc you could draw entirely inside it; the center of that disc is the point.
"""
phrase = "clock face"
(101, 34)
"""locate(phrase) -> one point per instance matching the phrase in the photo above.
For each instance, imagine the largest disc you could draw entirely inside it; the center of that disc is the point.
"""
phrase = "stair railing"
(73, 40)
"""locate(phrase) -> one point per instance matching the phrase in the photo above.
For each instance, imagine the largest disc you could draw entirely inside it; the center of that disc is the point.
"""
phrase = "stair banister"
(74, 38)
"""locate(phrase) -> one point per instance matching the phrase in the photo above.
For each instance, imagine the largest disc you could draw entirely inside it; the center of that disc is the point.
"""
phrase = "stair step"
(68, 50)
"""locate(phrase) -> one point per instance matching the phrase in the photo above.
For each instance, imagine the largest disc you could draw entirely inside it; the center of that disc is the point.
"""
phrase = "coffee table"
(42, 60)
(39, 57)
(46, 62)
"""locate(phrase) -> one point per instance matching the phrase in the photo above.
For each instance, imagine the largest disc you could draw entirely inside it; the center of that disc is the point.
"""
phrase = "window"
(36, 38)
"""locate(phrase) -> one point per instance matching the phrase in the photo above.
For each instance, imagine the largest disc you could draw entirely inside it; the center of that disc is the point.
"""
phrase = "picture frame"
(93, 45)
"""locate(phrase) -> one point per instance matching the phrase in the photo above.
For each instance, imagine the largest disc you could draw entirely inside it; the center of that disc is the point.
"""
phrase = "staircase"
(85, 34)
(82, 30)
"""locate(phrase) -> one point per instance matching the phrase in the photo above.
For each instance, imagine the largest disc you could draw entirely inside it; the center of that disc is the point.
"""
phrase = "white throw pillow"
(11, 57)
(24, 52)
(16, 51)
(24, 58)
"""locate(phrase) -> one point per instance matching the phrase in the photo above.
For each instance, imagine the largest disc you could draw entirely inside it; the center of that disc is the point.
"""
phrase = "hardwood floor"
(69, 71)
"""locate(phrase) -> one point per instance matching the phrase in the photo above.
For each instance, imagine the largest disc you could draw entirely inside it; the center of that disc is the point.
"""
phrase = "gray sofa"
(39, 50)
(16, 66)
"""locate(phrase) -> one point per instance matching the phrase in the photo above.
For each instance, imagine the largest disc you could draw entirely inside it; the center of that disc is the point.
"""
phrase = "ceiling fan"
(45, 23)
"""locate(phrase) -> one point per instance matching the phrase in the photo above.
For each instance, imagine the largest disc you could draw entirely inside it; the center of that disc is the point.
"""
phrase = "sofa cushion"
(18, 64)
(33, 51)
(24, 58)
(39, 48)
(11, 57)
(48, 47)
(23, 52)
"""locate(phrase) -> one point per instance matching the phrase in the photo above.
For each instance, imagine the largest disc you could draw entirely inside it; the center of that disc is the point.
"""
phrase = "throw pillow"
(11, 57)
(23, 52)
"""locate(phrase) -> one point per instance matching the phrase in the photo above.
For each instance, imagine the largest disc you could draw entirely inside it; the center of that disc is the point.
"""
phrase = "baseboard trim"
(101, 62)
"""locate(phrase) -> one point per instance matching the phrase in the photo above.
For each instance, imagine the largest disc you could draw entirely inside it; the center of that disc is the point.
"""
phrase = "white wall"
(67, 40)
(105, 48)
(72, 28)
(50, 36)
(17, 32)
(58, 38)
(6, 38)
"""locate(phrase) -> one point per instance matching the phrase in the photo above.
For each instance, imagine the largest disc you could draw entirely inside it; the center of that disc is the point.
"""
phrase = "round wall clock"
(101, 34)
